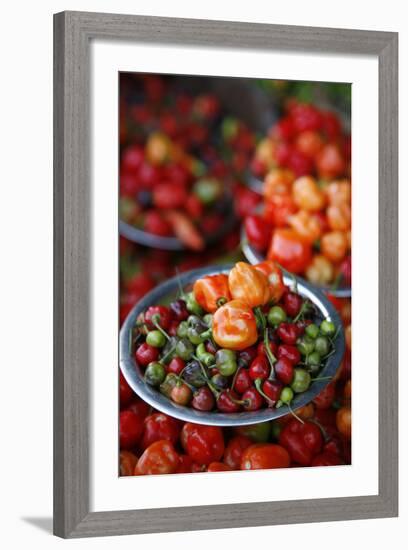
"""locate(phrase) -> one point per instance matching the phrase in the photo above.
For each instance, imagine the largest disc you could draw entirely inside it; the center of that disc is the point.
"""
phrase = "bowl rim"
(133, 373)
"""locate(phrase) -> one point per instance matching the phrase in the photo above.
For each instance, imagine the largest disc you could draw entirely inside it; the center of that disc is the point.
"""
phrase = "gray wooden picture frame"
(73, 32)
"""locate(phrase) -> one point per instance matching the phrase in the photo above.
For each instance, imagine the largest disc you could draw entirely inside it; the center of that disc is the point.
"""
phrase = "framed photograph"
(225, 285)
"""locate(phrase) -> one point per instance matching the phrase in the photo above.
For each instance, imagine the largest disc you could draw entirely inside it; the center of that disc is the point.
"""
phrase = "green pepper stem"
(258, 386)
(292, 412)
(167, 354)
(303, 309)
(159, 328)
(271, 358)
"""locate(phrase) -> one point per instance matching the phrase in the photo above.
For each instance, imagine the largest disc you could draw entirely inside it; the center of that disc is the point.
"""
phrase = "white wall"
(26, 271)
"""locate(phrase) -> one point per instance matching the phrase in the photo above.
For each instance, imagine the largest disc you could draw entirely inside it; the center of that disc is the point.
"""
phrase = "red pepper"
(289, 250)
(160, 426)
(265, 456)
(235, 449)
(205, 444)
(258, 231)
(130, 429)
(325, 397)
(218, 467)
(157, 315)
(302, 440)
(159, 458)
(326, 458)
(259, 368)
(125, 391)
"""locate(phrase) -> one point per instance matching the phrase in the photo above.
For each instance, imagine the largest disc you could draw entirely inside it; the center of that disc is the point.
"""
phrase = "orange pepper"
(158, 148)
(343, 421)
(278, 182)
(128, 462)
(334, 245)
(307, 226)
(320, 271)
(339, 192)
(307, 195)
(234, 326)
(275, 279)
(339, 216)
(249, 285)
(212, 291)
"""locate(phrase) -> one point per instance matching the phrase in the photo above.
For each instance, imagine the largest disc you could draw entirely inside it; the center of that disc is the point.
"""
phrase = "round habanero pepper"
(212, 291)
(205, 444)
(302, 441)
(159, 458)
(249, 285)
(234, 326)
(289, 250)
(275, 279)
(265, 456)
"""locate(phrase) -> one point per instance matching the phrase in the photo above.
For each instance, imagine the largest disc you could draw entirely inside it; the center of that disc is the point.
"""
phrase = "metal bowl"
(168, 290)
(139, 236)
(255, 257)
(242, 99)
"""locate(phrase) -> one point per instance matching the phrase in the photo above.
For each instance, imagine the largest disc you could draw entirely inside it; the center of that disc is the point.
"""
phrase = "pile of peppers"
(240, 341)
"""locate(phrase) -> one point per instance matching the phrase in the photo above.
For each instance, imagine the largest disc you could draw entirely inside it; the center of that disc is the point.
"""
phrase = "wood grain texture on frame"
(72, 34)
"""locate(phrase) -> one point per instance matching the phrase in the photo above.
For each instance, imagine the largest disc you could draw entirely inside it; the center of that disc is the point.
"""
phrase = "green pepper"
(327, 328)
(184, 349)
(156, 339)
(259, 433)
(312, 331)
(155, 373)
(322, 345)
(192, 305)
(182, 329)
(276, 316)
(168, 384)
(207, 190)
(301, 380)
(226, 361)
(305, 345)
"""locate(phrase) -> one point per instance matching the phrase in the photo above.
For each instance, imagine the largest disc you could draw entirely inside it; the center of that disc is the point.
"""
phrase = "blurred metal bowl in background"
(167, 291)
(240, 97)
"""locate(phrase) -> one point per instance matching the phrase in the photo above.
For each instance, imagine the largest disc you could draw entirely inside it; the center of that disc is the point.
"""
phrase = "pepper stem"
(258, 386)
(292, 412)
(271, 358)
(159, 328)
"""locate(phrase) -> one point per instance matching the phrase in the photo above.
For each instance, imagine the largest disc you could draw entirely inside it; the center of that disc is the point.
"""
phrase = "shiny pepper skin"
(212, 291)
(275, 279)
(234, 326)
(249, 285)
(205, 444)
(159, 458)
(265, 456)
(302, 441)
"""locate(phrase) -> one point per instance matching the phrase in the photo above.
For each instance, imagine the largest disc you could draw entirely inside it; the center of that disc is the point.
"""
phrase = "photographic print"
(235, 274)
